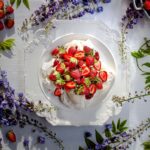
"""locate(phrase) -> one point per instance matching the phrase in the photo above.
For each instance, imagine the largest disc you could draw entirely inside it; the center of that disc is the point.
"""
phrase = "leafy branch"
(18, 3)
(7, 44)
(143, 52)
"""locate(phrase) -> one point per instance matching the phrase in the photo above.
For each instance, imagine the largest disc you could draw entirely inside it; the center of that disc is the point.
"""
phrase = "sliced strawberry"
(1, 4)
(78, 81)
(97, 65)
(70, 85)
(96, 56)
(79, 55)
(82, 80)
(1, 26)
(2, 14)
(99, 85)
(103, 76)
(67, 56)
(57, 92)
(86, 90)
(147, 5)
(93, 73)
(52, 77)
(76, 74)
(9, 10)
(73, 62)
(85, 71)
(89, 96)
(67, 89)
(55, 52)
(56, 62)
(87, 49)
(92, 89)
(66, 63)
(11, 136)
(72, 51)
(81, 63)
(61, 68)
(89, 60)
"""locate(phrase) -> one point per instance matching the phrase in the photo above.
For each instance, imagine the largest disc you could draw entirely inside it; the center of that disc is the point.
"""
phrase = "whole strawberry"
(147, 4)
(1, 4)
(2, 14)
(9, 10)
(11, 136)
(1, 26)
(9, 23)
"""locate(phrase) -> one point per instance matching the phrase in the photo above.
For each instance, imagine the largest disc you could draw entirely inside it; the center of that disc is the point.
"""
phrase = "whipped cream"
(71, 99)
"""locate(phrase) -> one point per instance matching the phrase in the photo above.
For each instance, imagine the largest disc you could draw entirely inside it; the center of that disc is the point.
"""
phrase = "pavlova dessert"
(76, 74)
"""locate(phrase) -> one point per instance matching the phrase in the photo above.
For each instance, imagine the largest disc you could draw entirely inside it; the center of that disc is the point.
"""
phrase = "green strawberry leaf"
(137, 54)
(118, 124)
(147, 80)
(146, 73)
(80, 148)
(147, 64)
(7, 44)
(114, 130)
(107, 133)
(89, 143)
(18, 3)
(146, 51)
(26, 3)
(123, 123)
(12, 2)
(99, 137)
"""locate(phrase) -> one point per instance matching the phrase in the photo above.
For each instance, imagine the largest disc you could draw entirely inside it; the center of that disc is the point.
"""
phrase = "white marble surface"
(73, 136)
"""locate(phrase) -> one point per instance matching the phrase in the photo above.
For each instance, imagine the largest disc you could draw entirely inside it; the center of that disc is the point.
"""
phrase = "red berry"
(97, 65)
(52, 77)
(70, 85)
(55, 52)
(92, 89)
(89, 60)
(11, 136)
(72, 65)
(60, 68)
(1, 26)
(72, 51)
(85, 71)
(103, 76)
(56, 62)
(9, 23)
(9, 10)
(57, 92)
(87, 49)
(86, 90)
(96, 56)
(147, 5)
(81, 63)
(89, 96)
(2, 14)
(76, 74)
(1, 4)
(79, 55)
(99, 85)
(93, 73)
(67, 56)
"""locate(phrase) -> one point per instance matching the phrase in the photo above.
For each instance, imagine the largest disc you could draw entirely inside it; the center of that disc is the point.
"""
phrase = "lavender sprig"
(119, 101)
(129, 20)
(58, 9)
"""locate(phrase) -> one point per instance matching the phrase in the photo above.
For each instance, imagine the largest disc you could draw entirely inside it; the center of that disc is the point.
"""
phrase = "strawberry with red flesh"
(147, 5)
(1, 26)
(70, 85)
(99, 85)
(11, 136)
(97, 65)
(9, 10)
(89, 60)
(103, 76)
(93, 73)
(60, 68)
(9, 23)
(96, 56)
(2, 14)
(57, 92)
(1, 4)
(79, 55)
(87, 49)
(85, 71)
(55, 52)
(72, 51)
(92, 89)
(76, 74)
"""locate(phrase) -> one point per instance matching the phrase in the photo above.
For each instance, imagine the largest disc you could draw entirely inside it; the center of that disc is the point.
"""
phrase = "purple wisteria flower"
(41, 140)
(26, 142)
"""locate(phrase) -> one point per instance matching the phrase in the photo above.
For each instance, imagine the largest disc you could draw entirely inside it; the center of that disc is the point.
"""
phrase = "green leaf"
(147, 80)
(146, 51)
(108, 147)
(12, 2)
(123, 123)
(118, 124)
(107, 133)
(146, 64)
(26, 3)
(123, 129)
(7, 44)
(137, 54)
(114, 130)
(99, 138)
(18, 3)
(146, 73)
(80, 148)
(89, 143)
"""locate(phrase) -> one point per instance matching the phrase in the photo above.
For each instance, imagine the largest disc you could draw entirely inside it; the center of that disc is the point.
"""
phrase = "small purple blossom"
(41, 140)
(26, 142)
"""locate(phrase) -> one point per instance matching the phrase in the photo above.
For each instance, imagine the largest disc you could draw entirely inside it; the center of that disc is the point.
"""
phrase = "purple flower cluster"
(66, 9)
(132, 17)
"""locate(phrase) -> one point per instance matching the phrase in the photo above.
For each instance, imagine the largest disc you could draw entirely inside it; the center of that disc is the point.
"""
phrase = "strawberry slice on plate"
(11, 136)
(97, 65)
(76, 74)
(67, 56)
(61, 67)
(93, 73)
(103, 76)
(57, 92)
(92, 89)
(87, 49)
(52, 77)
(85, 71)
(79, 55)
(96, 56)
(70, 85)
(89, 60)
(99, 85)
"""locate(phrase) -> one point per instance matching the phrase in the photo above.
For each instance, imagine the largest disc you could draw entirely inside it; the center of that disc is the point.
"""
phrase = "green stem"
(137, 63)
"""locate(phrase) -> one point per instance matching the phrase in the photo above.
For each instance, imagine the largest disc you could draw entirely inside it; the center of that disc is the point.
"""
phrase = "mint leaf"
(18, 3)
(123, 123)
(147, 79)
(26, 3)
(118, 124)
(114, 130)
(99, 138)
(147, 64)
(107, 133)
(12, 2)
(137, 54)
